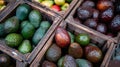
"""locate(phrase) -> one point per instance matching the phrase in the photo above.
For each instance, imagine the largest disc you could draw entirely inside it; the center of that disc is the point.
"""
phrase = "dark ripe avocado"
(83, 39)
(93, 53)
(60, 62)
(11, 25)
(101, 27)
(4, 60)
(104, 4)
(96, 14)
(83, 63)
(92, 23)
(115, 24)
(107, 15)
(48, 64)
(62, 37)
(69, 61)
(53, 53)
(84, 13)
(22, 11)
(75, 50)
(88, 3)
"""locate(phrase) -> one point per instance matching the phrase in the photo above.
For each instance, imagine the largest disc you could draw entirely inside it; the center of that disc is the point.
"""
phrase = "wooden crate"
(47, 15)
(112, 52)
(71, 18)
(70, 26)
(8, 6)
(14, 62)
(63, 14)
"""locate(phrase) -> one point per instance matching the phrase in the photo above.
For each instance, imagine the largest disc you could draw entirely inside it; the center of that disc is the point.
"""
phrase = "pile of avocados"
(100, 15)
(72, 50)
(25, 29)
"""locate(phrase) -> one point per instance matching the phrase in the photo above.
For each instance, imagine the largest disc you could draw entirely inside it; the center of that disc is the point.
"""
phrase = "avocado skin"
(27, 30)
(40, 32)
(83, 63)
(69, 61)
(25, 47)
(11, 25)
(22, 11)
(35, 18)
(53, 53)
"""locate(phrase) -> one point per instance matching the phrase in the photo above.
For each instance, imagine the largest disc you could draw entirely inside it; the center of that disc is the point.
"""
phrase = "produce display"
(6, 61)
(25, 23)
(56, 5)
(2, 4)
(100, 15)
(72, 50)
(25, 29)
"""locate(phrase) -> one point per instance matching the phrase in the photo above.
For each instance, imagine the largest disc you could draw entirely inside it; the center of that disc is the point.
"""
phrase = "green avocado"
(72, 37)
(60, 62)
(83, 39)
(13, 39)
(27, 29)
(11, 25)
(35, 18)
(25, 47)
(22, 11)
(83, 63)
(40, 32)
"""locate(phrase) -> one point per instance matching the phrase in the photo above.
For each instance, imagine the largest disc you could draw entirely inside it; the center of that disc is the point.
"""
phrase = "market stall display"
(25, 30)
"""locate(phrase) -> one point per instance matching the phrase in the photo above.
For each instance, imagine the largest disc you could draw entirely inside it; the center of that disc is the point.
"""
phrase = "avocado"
(69, 61)
(40, 32)
(60, 62)
(72, 37)
(48, 64)
(2, 30)
(13, 39)
(22, 11)
(45, 24)
(35, 18)
(75, 50)
(11, 25)
(83, 39)
(53, 53)
(83, 63)
(4, 60)
(25, 47)
(27, 30)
